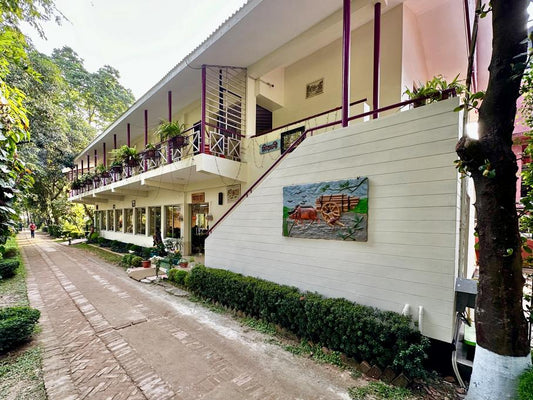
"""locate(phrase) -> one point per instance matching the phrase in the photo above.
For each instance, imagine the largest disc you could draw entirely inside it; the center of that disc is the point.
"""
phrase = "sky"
(142, 39)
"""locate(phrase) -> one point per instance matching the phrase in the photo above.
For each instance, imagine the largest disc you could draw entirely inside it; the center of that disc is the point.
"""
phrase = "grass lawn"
(21, 375)
(108, 256)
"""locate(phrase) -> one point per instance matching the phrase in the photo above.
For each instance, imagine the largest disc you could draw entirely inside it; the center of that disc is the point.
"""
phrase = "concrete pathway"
(106, 336)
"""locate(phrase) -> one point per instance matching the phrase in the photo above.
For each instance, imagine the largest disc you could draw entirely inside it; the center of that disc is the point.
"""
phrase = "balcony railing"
(219, 142)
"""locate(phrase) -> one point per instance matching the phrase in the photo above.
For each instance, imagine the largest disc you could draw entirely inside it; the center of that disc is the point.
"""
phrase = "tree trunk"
(501, 327)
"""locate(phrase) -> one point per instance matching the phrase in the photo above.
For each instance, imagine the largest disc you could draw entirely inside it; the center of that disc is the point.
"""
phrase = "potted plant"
(102, 171)
(150, 152)
(172, 131)
(127, 155)
(76, 184)
(146, 254)
(432, 90)
(116, 166)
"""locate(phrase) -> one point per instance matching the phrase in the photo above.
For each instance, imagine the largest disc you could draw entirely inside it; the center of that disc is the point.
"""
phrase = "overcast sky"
(143, 39)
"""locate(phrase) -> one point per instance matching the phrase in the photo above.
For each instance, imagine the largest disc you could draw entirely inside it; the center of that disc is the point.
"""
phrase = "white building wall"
(410, 256)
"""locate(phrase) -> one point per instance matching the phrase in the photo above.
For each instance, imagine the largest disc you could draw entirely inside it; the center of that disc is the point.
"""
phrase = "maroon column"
(105, 154)
(129, 136)
(202, 126)
(82, 167)
(95, 158)
(145, 127)
(377, 56)
(169, 106)
(115, 141)
(145, 136)
(88, 163)
(346, 62)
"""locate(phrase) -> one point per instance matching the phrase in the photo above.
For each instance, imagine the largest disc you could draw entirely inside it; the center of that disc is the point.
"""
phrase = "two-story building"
(272, 71)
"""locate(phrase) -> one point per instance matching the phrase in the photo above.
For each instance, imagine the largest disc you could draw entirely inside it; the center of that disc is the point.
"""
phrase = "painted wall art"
(289, 137)
(335, 210)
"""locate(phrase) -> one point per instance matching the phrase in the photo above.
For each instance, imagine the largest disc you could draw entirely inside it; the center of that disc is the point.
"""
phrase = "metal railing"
(440, 95)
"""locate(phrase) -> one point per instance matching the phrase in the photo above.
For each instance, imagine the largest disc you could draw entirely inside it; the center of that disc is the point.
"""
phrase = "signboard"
(197, 198)
(269, 146)
(234, 192)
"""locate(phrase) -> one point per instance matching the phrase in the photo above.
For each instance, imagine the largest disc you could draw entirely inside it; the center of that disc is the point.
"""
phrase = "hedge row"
(16, 325)
(8, 268)
(364, 333)
(121, 247)
(178, 276)
(131, 260)
(525, 385)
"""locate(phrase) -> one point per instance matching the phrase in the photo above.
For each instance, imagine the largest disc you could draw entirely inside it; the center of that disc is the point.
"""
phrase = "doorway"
(199, 227)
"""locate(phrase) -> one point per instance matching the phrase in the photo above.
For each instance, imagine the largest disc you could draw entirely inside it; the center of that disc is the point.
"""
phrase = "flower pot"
(146, 263)
(178, 141)
(116, 168)
(184, 264)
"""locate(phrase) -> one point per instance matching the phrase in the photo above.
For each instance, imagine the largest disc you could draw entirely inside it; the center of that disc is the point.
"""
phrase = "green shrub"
(380, 337)
(137, 250)
(8, 268)
(525, 385)
(10, 252)
(136, 261)
(54, 231)
(177, 276)
(16, 325)
(131, 260)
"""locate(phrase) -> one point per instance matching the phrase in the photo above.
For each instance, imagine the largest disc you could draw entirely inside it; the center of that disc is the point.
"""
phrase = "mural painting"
(336, 210)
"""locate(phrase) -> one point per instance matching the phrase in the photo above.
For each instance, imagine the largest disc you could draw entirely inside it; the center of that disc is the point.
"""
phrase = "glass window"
(102, 220)
(155, 220)
(128, 220)
(110, 220)
(140, 221)
(173, 223)
(118, 220)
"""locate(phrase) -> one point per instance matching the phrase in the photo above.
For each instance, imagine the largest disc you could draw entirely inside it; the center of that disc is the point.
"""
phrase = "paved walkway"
(106, 336)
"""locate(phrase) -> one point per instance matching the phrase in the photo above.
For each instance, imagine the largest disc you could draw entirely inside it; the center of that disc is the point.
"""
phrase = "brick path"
(106, 336)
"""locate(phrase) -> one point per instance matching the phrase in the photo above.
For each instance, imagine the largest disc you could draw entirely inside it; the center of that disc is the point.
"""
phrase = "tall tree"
(99, 95)
(502, 351)
(13, 119)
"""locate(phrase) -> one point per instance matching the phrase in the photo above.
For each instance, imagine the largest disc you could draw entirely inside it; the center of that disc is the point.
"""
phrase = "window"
(102, 220)
(110, 220)
(128, 220)
(155, 220)
(118, 220)
(140, 221)
(173, 223)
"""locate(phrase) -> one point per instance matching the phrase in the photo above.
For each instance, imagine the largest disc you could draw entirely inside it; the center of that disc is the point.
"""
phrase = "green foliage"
(16, 325)
(316, 352)
(259, 325)
(433, 89)
(10, 252)
(177, 276)
(378, 390)
(365, 333)
(22, 372)
(126, 154)
(131, 260)
(8, 268)
(169, 129)
(525, 385)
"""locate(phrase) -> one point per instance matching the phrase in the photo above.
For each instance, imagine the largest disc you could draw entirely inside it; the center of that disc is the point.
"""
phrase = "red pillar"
(346, 31)
(377, 56)
(129, 136)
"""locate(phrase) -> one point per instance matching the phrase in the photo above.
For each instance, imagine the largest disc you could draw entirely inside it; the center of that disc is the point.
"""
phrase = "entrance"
(199, 227)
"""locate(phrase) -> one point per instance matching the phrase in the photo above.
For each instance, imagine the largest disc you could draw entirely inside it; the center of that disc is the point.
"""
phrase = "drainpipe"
(377, 56)
(129, 135)
(346, 62)
(202, 126)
